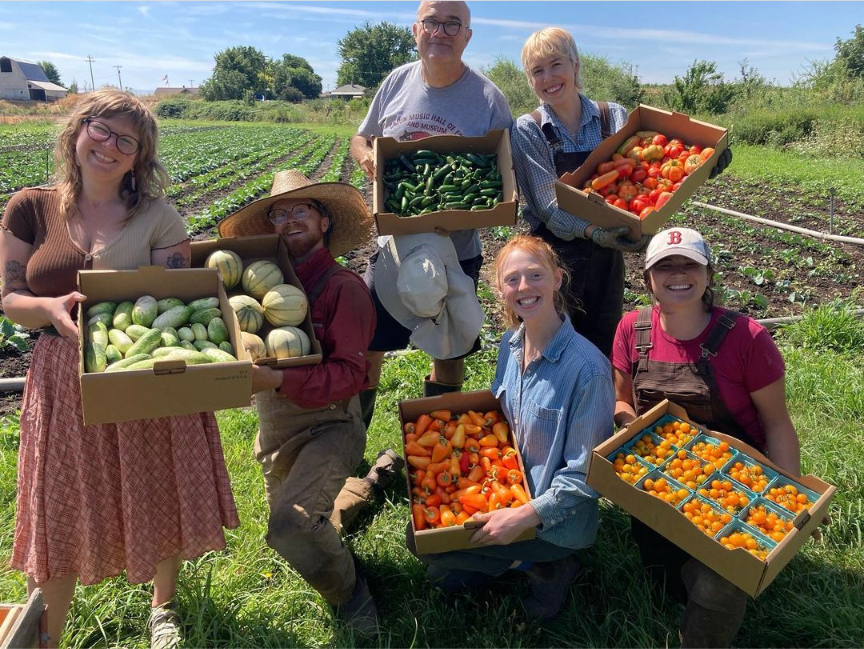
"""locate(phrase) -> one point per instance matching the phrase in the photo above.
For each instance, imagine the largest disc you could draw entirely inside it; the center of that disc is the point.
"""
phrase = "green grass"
(248, 596)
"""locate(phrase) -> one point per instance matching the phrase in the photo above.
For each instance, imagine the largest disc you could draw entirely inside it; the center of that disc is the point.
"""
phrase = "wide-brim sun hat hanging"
(351, 220)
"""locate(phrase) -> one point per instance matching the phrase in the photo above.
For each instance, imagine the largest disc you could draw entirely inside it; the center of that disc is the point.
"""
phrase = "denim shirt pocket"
(540, 412)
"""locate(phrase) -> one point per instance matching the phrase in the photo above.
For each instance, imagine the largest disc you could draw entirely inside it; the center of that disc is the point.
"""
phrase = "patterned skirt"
(97, 500)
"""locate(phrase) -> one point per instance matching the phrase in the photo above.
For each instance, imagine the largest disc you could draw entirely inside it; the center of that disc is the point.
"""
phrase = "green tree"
(73, 87)
(702, 90)
(370, 52)
(850, 53)
(511, 80)
(295, 73)
(51, 72)
(239, 72)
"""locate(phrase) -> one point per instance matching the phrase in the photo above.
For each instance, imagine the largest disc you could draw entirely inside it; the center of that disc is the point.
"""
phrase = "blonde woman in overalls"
(726, 371)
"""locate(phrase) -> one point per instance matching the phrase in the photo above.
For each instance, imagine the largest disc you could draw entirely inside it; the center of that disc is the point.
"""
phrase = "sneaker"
(385, 470)
(550, 584)
(164, 625)
(360, 612)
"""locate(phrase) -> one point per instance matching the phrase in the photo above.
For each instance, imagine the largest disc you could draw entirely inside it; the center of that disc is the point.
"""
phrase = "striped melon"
(285, 305)
(254, 345)
(229, 265)
(259, 277)
(250, 315)
(287, 342)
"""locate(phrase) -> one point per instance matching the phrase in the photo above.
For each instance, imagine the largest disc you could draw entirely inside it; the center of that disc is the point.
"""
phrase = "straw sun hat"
(351, 221)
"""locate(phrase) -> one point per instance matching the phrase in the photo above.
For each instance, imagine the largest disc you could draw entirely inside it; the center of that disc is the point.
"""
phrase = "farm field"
(248, 596)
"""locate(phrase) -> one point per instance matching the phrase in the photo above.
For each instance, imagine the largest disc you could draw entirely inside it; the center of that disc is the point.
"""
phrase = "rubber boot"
(433, 388)
(702, 627)
(367, 405)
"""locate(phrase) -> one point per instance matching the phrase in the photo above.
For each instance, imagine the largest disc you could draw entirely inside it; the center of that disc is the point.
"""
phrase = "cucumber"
(200, 331)
(146, 343)
(104, 318)
(185, 333)
(98, 333)
(227, 347)
(174, 317)
(146, 364)
(204, 316)
(123, 315)
(185, 344)
(95, 359)
(120, 340)
(145, 311)
(204, 303)
(136, 331)
(168, 303)
(201, 345)
(217, 332)
(126, 362)
(218, 356)
(169, 340)
(102, 307)
(192, 357)
(112, 354)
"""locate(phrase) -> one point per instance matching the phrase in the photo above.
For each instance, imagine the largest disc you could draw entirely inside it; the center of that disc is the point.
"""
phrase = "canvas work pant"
(307, 458)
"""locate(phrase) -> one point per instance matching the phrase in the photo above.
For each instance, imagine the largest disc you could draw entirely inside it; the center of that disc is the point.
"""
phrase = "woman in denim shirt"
(556, 390)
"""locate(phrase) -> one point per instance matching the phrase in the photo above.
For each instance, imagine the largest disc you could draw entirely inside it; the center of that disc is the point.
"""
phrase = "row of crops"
(213, 170)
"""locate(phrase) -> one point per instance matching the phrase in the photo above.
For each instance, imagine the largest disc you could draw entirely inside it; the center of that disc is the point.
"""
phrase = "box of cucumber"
(157, 342)
(446, 181)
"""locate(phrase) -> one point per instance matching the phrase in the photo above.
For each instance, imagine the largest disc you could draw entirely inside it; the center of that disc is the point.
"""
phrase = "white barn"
(26, 81)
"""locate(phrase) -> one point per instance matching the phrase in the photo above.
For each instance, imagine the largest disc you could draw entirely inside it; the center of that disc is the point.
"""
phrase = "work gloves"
(615, 238)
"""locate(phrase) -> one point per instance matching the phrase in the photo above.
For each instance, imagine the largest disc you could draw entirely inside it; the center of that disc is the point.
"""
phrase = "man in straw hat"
(311, 437)
(437, 95)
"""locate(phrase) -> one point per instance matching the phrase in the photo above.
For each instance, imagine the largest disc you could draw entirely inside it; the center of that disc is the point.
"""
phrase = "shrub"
(173, 107)
(774, 127)
(832, 326)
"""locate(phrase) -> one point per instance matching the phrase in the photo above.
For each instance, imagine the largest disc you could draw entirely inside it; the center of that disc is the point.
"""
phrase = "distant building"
(349, 91)
(26, 81)
(166, 91)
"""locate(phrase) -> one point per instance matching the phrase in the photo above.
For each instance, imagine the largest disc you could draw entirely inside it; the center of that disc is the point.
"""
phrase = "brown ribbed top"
(33, 216)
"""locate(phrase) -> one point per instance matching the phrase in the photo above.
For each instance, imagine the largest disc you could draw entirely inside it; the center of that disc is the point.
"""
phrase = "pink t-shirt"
(748, 360)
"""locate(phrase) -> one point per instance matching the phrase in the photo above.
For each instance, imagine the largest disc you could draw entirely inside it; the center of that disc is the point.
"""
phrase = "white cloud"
(144, 10)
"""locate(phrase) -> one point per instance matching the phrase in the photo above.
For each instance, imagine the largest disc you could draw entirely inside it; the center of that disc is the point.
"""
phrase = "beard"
(300, 246)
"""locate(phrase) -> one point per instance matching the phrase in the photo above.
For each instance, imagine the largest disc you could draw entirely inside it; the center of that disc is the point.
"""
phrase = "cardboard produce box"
(265, 247)
(171, 387)
(457, 537)
(743, 569)
(22, 625)
(593, 207)
(497, 141)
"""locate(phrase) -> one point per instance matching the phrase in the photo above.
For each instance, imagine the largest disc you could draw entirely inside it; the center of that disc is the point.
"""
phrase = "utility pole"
(118, 75)
(191, 83)
(90, 60)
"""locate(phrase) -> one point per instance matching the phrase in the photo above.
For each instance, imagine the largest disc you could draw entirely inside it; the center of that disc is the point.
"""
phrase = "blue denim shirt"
(560, 408)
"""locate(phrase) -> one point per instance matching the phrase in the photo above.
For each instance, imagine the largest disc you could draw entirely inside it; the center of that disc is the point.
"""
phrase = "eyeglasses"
(299, 212)
(430, 26)
(99, 132)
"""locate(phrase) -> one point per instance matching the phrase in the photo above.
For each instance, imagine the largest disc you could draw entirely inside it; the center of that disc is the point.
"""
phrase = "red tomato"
(660, 139)
(638, 204)
(639, 175)
(674, 150)
(624, 170)
(611, 198)
(693, 163)
(650, 182)
(676, 186)
(621, 203)
(695, 149)
(626, 190)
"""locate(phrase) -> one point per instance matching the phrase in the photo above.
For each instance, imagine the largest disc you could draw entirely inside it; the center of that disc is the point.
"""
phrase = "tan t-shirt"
(33, 216)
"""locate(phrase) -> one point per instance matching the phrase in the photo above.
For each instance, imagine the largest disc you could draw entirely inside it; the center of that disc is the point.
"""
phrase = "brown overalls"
(715, 607)
(308, 458)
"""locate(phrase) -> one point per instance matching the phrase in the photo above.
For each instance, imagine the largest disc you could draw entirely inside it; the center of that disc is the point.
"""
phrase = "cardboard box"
(593, 208)
(170, 388)
(459, 536)
(497, 141)
(740, 567)
(22, 625)
(267, 247)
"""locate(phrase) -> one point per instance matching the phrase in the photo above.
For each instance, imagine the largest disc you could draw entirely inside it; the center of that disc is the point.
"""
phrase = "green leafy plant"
(12, 335)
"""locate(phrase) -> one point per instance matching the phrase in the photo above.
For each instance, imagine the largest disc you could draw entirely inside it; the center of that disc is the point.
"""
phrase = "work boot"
(385, 470)
(359, 612)
(367, 405)
(702, 627)
(550, 584)
(433, 388)
(164, 625)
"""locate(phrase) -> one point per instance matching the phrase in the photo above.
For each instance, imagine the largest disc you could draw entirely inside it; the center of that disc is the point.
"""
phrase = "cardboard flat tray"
(171, 387)
(459, 536)
(268, 247)
(593, 208)
(746, 571)
(505, 213)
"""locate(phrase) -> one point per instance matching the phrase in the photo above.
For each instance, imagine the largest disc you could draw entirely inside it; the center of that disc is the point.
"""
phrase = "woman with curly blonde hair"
(94, 501)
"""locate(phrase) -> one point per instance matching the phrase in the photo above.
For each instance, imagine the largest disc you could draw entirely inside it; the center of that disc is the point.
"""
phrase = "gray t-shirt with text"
(406, 108)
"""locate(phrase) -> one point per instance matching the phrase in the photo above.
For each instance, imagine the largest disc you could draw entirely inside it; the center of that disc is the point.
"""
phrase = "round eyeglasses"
(299, 212)
(99, 132)
(451, 27)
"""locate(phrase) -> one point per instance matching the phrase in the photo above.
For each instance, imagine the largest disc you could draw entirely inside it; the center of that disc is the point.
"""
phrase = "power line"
(118, 75)
(90, 60)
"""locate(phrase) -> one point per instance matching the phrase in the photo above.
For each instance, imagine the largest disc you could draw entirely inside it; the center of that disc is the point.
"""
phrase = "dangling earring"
(132, 180)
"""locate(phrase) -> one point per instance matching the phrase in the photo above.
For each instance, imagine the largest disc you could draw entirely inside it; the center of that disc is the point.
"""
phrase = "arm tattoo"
(14, 276)
(177, 260)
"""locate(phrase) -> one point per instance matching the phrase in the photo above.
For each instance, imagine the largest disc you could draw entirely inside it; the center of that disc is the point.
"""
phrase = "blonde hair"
(547, 42)
(150, 177)
(543, 253)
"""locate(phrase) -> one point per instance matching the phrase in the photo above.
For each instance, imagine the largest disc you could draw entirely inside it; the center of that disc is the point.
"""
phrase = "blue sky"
(179, 39)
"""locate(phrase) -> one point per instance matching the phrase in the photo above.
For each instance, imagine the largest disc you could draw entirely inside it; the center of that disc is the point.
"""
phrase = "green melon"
(250, 315)
(287, 342)
(261, 276)
(285, 305)
(229, 265)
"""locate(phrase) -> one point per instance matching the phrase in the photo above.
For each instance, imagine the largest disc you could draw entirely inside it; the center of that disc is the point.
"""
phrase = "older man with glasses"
(437, 95)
